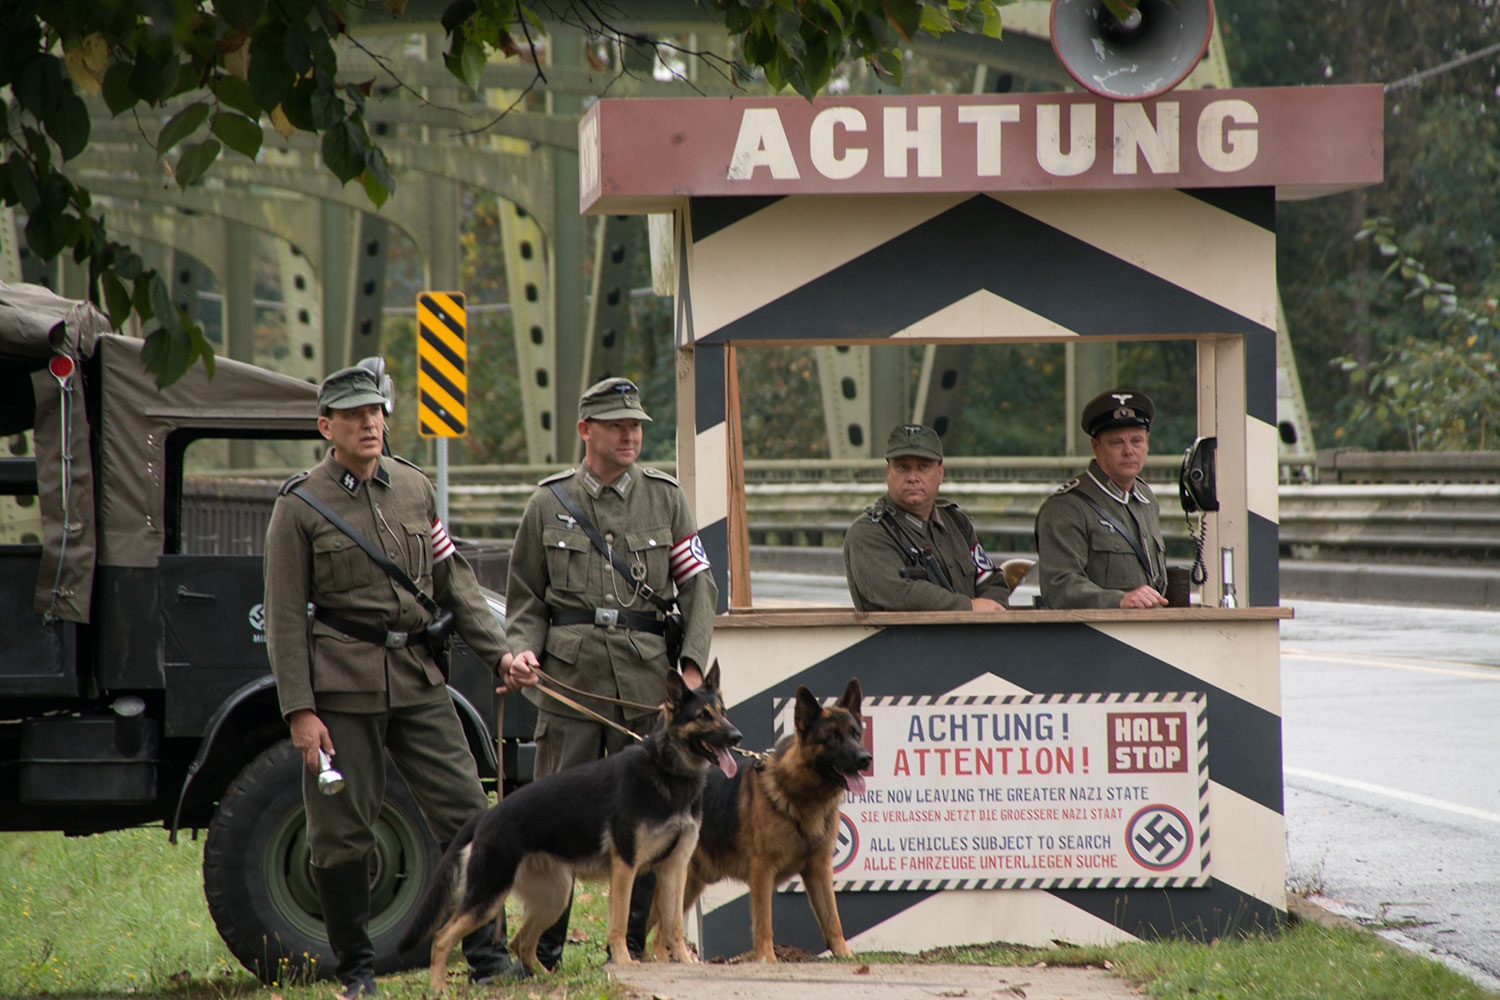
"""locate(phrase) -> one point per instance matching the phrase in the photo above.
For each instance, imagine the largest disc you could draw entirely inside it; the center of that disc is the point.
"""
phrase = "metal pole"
(442, 480)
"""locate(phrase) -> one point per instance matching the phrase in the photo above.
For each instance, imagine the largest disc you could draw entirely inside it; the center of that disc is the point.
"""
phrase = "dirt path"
(840, 980)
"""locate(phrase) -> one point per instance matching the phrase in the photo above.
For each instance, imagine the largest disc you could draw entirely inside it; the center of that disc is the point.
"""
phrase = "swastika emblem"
(848, 844)
(1159, 837)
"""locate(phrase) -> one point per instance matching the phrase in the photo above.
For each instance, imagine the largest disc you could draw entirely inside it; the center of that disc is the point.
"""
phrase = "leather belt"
(369, 633)
(641, 621)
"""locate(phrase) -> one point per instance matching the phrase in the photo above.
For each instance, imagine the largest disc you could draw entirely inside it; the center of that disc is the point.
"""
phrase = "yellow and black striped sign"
(442, 365)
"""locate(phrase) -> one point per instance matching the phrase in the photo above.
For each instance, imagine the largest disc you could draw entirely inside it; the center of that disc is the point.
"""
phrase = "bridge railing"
(1447, 514)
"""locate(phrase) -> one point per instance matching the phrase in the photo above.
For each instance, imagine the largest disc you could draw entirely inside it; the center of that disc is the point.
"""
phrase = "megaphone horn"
(1135, 57)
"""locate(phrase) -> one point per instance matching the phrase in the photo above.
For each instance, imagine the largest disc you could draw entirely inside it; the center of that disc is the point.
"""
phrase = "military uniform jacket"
(644, 516)
(873, 561)
(310, 560)
(1083, 560)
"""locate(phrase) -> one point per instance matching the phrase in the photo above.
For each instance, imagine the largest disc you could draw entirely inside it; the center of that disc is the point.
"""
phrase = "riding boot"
(344, 891)
(642, 892)
(549, 947)
(489, 961)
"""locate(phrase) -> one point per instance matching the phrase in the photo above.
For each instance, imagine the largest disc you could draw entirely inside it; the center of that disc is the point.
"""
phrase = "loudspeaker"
(1131, 61)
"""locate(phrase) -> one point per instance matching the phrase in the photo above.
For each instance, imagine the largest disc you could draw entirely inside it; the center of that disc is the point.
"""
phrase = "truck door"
(213, 634)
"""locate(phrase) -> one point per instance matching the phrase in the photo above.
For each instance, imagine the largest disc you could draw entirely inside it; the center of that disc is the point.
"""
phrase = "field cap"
(1118, 408)
(611, 399)
(914, 439)
(348, 388)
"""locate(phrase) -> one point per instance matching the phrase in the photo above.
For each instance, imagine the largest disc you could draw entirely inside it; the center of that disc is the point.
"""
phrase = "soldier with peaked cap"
(355, 677)
(1098, 538)
(587, 625)
(913, 550)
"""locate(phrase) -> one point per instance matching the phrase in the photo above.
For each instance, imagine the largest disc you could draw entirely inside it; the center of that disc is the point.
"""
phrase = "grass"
(123, 914)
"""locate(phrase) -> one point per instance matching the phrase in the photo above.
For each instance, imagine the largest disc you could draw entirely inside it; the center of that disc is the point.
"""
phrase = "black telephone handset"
(1198, 483)
(1198, 486)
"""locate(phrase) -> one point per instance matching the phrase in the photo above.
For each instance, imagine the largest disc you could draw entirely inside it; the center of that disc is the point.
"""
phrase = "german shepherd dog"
(781, 818)
(614, 818)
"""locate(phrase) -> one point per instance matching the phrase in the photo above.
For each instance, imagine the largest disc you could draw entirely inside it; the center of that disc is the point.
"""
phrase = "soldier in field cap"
(913, 550)
(356, 678)
(1098, 538)
(590, 627)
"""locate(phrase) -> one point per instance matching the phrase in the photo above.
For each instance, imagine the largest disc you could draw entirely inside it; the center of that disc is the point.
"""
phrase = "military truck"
(134, 683)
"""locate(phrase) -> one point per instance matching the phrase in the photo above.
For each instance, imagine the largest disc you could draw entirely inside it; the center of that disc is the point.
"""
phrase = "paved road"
(1392, 797)
(1391, 723)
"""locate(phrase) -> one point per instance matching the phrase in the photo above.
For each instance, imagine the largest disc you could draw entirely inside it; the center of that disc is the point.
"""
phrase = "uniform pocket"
(418, 543)
(567, 559)
(337, 564)
(652, 548)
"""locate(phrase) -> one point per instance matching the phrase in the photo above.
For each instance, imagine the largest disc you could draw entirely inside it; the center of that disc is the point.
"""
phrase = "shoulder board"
(945, 503)
(564, 474)
(658, 474)
(407, 462)
(1068, 486)
(291, 483)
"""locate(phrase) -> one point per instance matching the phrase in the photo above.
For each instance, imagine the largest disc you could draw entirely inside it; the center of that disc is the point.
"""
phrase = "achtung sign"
(1046, 791)
(648, 155)
(442, 365)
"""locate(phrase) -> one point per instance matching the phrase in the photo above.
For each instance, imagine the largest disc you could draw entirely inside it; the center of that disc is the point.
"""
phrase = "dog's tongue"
(727, 763)
(855, 782)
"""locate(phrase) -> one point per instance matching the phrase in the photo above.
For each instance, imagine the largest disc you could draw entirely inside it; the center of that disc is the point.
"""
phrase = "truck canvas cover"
(135, 419)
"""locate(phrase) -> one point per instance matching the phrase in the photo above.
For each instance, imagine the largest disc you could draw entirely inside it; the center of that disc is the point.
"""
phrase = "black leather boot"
(549, 947)
(344, 891)
(641, 895)
(489, 961)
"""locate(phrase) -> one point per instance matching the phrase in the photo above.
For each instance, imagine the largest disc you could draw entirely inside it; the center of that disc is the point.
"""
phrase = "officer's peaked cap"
(1118, 408)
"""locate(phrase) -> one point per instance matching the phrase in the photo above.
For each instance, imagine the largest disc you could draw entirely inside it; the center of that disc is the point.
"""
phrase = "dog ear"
(852, 696)
(808, 710)
(676, 689)
(711, 679)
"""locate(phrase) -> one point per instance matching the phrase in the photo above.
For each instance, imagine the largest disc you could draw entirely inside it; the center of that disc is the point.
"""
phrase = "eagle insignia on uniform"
(568, 519)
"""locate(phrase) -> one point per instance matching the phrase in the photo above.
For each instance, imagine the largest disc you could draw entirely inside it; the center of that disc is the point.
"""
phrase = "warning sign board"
(442, 365)
(1041, 791)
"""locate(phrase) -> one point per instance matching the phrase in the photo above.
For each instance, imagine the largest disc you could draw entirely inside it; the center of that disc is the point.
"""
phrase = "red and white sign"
(639, 155)
(1030, 792)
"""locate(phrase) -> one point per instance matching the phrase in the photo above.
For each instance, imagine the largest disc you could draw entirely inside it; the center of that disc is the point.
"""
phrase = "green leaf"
(239, 133)
(116, 299)
(155, 71)
(28, 195)
(118, 96)
(326, 106)
(48, 233)
(195, 161)
(68, 125)
(344, 150)
(906, 16)
(236, 93)
(271, 77)
(465, 60)
(298, 106)
(39, 85)
(377, 179)
(181, 125)
(240, 13)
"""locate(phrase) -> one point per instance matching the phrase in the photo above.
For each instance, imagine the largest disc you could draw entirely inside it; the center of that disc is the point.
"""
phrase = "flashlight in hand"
(330, 782)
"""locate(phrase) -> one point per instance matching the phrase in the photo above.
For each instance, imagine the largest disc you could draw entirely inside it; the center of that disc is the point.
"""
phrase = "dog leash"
(545, 683)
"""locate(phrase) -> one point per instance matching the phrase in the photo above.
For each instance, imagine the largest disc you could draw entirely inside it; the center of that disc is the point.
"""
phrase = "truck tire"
(257, 877)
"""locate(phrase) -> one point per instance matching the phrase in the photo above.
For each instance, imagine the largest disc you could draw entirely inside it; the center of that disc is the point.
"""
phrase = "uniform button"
(609, 536)
(611, 629)
(651, 541)
(562, 545)
(609, 598)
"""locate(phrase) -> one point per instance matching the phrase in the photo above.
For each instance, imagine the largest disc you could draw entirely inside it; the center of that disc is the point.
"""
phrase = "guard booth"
(1042, 775)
